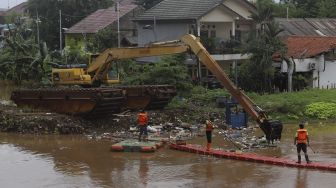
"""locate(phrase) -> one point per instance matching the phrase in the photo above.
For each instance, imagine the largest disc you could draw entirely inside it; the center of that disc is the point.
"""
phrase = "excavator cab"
(112, 75)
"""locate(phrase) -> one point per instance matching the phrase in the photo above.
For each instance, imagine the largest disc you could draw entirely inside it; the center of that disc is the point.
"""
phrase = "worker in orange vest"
(301, 141)
(142, 123)
(208, 131)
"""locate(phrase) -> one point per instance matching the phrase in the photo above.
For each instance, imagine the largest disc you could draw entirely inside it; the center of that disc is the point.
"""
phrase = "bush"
(321, 110)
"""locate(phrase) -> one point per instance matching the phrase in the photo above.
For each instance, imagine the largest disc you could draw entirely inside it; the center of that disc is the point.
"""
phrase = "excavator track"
(95, 102)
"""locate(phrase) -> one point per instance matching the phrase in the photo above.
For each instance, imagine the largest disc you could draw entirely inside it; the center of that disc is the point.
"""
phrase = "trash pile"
(164, 125)
(244, 138)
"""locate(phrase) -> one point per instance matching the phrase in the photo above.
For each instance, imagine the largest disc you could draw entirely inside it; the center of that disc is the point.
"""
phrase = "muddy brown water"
(75, 161)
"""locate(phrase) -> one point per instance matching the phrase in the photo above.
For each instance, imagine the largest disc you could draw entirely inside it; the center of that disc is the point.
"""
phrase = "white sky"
(11, 3)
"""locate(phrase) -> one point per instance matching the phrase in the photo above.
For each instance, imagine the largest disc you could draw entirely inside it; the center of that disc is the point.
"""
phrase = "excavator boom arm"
(127, 53)
(215, 69)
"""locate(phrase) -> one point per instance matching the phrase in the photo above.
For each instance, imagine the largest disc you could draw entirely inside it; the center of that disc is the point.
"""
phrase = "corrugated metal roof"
(309, 46)
(100, 19)
(177, 9)
(307, 26)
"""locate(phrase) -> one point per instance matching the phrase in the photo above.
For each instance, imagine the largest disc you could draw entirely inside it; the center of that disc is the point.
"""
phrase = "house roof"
(19, 9)
(101, 19)
(307, 26)
(182, 10)
(309, 46)
(177, 9)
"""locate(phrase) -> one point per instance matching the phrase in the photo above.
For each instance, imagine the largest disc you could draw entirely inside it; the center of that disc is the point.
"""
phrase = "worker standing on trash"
(208, 131)
(301, 141)
(142, 123)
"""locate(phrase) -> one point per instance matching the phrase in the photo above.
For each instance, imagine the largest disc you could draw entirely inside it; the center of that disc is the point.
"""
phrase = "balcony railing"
(220, 46)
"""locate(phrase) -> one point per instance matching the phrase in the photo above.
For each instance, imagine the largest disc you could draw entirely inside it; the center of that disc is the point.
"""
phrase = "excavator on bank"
(94, 100)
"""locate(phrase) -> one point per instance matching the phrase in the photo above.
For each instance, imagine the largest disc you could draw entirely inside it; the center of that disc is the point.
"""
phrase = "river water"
(75, 161)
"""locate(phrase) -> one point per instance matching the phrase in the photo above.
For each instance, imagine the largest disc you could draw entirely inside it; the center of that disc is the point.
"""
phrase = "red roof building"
(300, 47)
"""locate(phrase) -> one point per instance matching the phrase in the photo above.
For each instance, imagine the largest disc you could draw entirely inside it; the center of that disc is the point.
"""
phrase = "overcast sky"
(11, 3)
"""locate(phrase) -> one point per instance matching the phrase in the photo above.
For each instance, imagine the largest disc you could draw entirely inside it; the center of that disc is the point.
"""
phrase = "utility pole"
(154, 29)
(118, 15)
(37, 25)
(60, 29)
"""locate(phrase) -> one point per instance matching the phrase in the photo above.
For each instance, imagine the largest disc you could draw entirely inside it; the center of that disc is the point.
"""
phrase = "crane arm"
(127, 53)
(221, 76)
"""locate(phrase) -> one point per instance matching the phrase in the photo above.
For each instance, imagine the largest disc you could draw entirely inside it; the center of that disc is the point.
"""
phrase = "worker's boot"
(208, 146)
(299, 159)
(307, 159)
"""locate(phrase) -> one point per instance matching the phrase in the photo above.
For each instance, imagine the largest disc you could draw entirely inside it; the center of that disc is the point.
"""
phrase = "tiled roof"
(179, 9)
(306, 47)
(100, 19)
(307, 26)
(19, 9)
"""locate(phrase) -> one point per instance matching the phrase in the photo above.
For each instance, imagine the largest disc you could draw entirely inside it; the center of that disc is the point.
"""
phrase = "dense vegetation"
(306, 8)
(72, 12)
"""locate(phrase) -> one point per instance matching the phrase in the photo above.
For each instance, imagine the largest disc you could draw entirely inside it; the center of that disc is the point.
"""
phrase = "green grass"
(289, 107)
(293, 106)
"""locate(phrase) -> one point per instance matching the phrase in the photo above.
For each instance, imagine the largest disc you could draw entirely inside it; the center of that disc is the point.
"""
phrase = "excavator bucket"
(272, 130)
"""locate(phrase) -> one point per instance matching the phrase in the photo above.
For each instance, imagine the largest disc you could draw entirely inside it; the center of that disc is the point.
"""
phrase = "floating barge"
(132, 145)
(252, 157)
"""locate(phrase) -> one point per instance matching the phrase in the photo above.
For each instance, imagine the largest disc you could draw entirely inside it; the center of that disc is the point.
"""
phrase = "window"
(213, 33)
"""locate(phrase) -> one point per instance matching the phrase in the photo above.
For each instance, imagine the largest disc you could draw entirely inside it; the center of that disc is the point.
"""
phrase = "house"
(221, 25)
(314, 57)
(324, 27)
(311, 44)
(20, 9)
(2, 15)
(101, 19)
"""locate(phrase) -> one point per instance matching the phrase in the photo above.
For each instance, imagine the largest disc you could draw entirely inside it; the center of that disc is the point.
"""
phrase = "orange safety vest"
(302, 136)
(208, 125)
(142, 118)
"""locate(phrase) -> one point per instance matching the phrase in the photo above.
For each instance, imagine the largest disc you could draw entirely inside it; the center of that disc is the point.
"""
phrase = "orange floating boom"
(253, 157)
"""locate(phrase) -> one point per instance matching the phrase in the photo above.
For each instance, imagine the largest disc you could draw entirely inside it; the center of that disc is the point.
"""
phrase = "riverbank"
(314, 106)
(13, 119)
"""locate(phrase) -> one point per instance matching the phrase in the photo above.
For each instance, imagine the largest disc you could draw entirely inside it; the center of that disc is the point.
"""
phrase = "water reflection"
(143, 171)
(301, 178)
(74, 161)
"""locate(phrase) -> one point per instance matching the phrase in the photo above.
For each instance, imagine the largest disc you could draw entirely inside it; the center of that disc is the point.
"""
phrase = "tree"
(21, 58)
(326, 9)
(72, 12)
(104, 39)
(258, 74)
(169, 70)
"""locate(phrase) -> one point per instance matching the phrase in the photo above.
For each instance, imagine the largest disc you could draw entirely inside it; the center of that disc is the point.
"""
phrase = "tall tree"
(326, 9)
(21, 58)
(72, 12)
(258, 74)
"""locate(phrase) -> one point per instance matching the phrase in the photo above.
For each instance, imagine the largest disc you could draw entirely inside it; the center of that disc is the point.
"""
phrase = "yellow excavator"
(106, 100)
